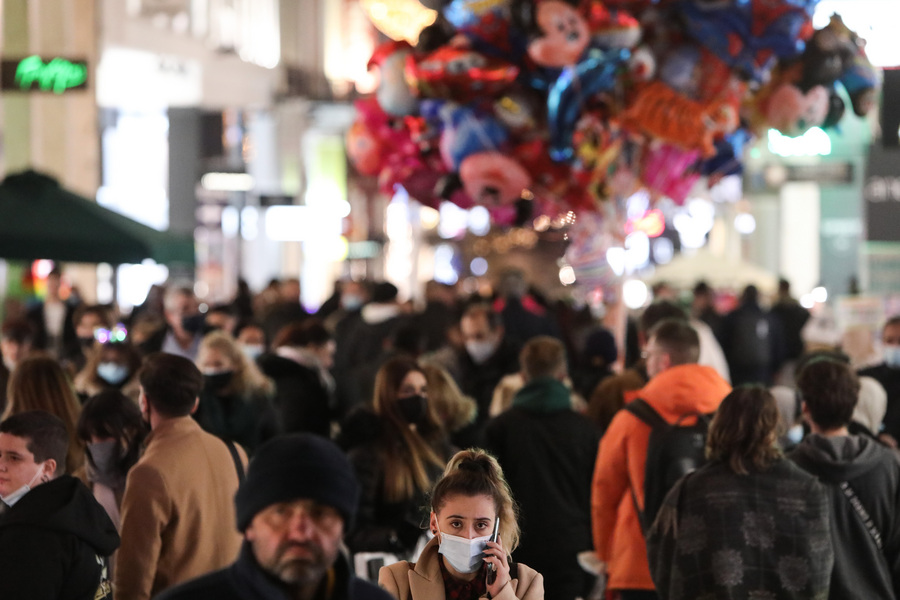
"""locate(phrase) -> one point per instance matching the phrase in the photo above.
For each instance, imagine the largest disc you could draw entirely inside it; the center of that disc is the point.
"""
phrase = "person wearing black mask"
(236, 401)
(113, 432)
(398, 449)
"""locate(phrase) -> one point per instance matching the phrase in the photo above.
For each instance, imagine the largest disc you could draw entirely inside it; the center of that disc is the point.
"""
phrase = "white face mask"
(14, 497)
(481, 350)
(892, 356)
(795, 434)
(463, 554)
(253, 351)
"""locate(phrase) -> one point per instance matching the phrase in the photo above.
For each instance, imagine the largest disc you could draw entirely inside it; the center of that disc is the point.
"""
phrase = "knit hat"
(294, 467)
(600, 344)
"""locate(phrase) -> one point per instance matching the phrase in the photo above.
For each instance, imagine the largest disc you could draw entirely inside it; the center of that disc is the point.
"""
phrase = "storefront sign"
(35, 73)
(825, 173)
(881, 194)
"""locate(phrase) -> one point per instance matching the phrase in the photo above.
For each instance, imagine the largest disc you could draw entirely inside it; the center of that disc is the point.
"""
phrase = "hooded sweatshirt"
(861, 570)
(618, 538)
(54, 544)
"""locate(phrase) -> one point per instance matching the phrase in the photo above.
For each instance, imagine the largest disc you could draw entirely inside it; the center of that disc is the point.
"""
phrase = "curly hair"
(743, 433)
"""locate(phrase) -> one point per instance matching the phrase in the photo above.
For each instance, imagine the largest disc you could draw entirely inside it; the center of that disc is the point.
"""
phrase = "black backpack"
(673, 451)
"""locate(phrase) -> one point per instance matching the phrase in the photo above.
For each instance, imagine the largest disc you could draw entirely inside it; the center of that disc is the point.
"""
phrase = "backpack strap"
(238, 465)
(863, 514)
(641, 409)
(646, 413)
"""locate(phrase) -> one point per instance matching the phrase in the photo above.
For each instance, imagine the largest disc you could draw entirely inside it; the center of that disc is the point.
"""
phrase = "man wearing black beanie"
(297, 501)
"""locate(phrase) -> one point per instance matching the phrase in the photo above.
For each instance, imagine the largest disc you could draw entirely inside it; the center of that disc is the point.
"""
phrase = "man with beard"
(298, 499)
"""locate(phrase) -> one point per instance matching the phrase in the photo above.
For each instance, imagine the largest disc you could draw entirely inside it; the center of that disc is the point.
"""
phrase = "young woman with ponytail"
(466, 559)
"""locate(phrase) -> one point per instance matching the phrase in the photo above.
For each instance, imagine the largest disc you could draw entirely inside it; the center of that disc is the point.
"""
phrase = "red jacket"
(618, 538)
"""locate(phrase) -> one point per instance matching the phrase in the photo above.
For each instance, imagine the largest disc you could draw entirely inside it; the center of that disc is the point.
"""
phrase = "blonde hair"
(247, 379)
(454, 409)
(39, 383)
(474, 472)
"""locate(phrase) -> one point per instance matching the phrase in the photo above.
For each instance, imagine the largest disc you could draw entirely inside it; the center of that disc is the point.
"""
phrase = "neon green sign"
(57, 76)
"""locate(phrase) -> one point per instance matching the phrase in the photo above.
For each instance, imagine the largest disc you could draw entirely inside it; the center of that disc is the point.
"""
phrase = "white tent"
(686, 270)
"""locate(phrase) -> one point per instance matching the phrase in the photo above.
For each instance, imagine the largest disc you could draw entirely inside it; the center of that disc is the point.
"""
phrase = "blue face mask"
(112, 373)
(351, 302)
(892, 356)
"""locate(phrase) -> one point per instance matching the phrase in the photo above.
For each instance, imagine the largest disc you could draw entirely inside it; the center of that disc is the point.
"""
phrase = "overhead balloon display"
(569, 103)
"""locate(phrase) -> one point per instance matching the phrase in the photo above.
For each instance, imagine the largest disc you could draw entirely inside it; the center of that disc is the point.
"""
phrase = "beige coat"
(423, 580)
(178, 517)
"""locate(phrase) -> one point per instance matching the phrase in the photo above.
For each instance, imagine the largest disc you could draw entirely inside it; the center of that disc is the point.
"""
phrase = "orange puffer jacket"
(618, 538)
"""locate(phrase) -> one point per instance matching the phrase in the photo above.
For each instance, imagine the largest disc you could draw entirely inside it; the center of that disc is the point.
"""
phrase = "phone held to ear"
(491, 569)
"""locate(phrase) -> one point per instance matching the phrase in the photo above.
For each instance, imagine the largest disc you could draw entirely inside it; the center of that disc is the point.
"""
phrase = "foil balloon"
(729, 156)
(493, 179)
(457, 72)
(670, 170)
(596, 73)
(791, 111)
(486, 22)
(364, 149)
(750, 35)
(393, 93)
(560, 34)
(664, 114)
(589, 246)
(610, 28)
(468, 132)
(862, 83)
(597, 143)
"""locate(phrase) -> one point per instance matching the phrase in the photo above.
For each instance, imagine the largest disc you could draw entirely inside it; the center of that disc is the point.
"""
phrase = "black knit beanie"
(298, 466)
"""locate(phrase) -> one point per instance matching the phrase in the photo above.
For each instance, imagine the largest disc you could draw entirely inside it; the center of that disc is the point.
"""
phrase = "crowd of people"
(498, 447)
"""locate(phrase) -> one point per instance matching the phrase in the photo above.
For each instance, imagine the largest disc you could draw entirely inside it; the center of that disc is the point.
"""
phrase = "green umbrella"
(40, 219)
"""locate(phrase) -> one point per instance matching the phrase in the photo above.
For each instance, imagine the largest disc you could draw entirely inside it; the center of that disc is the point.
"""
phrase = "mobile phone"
(491, 571)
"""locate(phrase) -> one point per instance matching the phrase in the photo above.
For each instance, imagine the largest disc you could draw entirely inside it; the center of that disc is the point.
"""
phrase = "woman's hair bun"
(475, 465)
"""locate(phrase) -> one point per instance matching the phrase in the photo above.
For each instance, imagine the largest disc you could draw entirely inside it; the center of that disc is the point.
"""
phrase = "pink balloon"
(492, 178)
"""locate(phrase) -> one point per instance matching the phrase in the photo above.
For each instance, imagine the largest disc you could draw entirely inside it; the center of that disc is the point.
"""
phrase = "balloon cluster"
(563, 104)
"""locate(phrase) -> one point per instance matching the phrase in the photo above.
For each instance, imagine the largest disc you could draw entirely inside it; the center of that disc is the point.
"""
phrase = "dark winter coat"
(54, 544)
(873, 472)
(382, 525)
(302, 403)
(479, 381)
(720, 535)
(247, 420)
(245, 580)
(753, 344)
(547, 452)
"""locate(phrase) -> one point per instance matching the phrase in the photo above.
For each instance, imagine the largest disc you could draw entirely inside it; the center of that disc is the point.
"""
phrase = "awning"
(687, 269)
(40, 219)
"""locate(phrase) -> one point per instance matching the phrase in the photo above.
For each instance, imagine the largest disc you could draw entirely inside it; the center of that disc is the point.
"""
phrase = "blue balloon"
(719, 25)
(729, 158)
(595, 73)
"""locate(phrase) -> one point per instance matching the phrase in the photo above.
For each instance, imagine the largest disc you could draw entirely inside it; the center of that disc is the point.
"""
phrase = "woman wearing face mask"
(235, 403)
(398, 449)
(111, 366)
(111, 427)
(462, 561)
